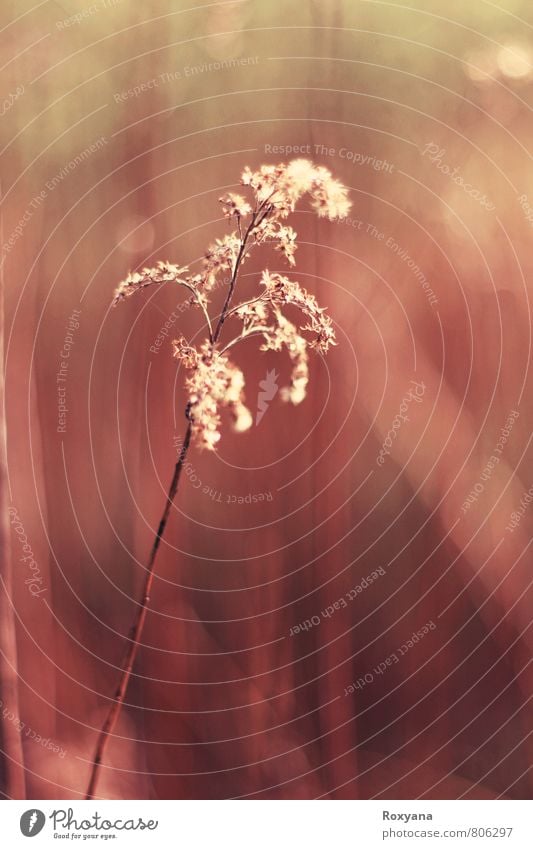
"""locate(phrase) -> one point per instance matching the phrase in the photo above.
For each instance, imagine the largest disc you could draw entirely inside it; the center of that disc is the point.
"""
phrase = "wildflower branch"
(214, 382)
(233, 281)
(164, 272)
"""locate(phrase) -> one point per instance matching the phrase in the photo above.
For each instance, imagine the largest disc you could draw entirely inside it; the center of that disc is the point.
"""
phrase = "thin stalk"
(257, 217)
(136, 630)
(202, 307)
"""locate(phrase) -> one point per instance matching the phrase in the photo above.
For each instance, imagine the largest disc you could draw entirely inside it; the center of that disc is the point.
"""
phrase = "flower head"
(300, 174)
(280, 290)
(234, 205)
(284, 333)
(330, 198)
(281, 186)
(212, 381)
(164, 272)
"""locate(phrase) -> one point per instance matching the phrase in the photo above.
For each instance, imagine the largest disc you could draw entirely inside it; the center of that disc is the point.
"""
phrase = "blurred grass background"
(224, 702)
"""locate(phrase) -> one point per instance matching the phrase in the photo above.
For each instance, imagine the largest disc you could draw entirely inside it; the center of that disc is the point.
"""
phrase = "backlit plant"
(212, 380)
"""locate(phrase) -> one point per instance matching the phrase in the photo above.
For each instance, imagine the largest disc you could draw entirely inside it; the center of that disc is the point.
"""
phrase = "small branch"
(262, 297)
(136, 630)
(233, 279)
(254, 331)
(256, 219)
(201, 305)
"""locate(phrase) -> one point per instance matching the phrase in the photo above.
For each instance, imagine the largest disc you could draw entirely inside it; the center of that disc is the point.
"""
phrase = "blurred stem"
(136, 630)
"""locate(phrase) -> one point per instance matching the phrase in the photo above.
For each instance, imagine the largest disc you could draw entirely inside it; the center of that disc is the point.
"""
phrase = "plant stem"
(258, 216)
(229, 296)
(134, 636)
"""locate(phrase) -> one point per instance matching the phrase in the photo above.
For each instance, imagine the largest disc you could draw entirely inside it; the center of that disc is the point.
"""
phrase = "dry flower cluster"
(213, 381)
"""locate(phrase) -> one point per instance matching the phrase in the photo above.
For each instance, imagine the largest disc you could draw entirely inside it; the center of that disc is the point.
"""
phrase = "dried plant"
(212, 380)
